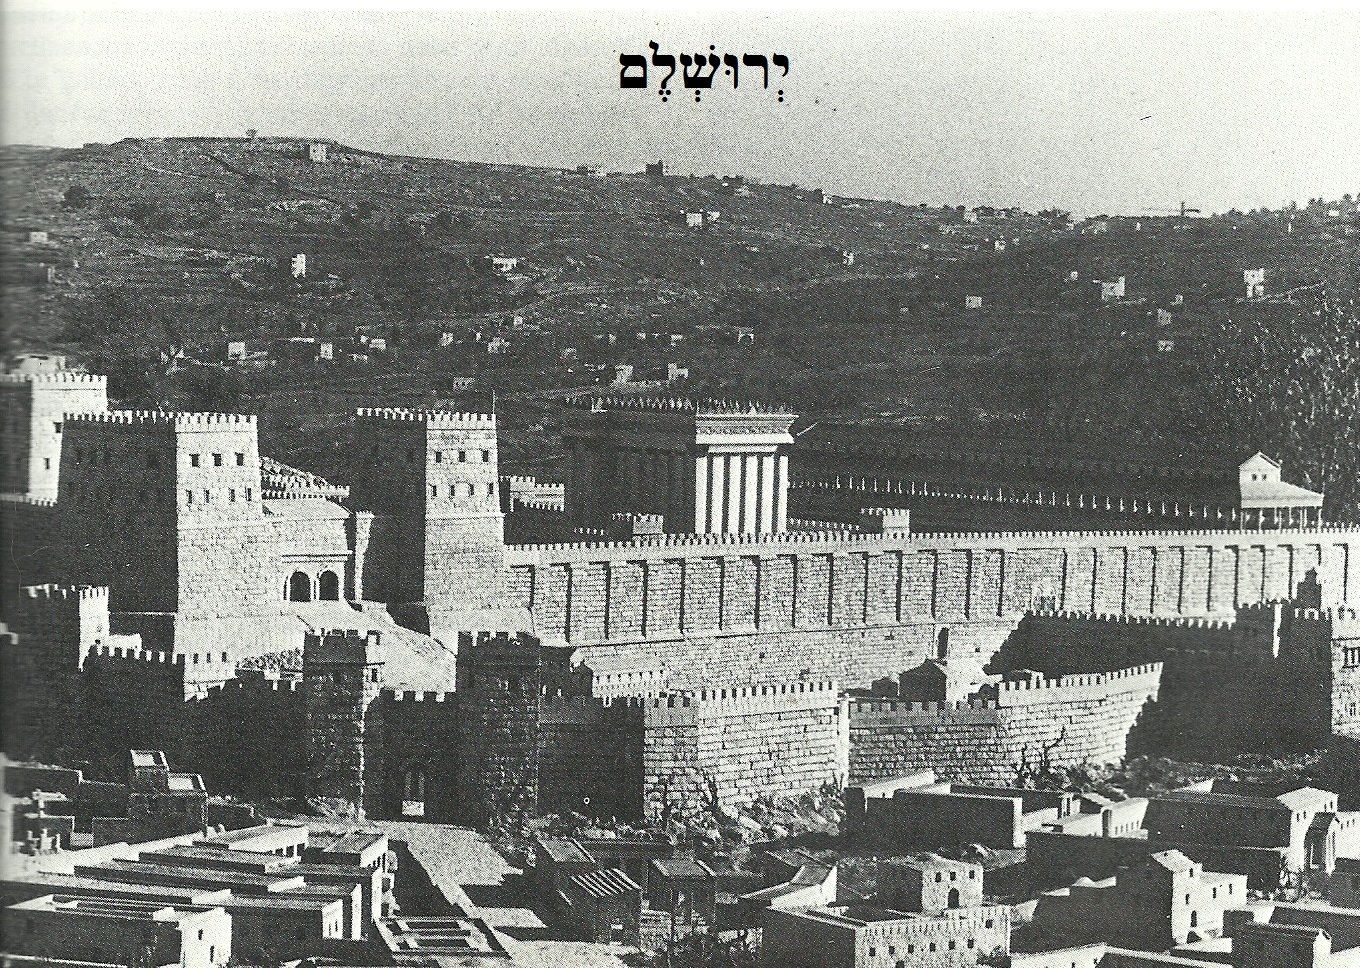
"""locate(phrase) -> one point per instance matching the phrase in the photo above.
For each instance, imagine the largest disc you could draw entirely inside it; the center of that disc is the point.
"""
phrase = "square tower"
(342, 681)
(33, 407)
(169, 513)
(430, 479)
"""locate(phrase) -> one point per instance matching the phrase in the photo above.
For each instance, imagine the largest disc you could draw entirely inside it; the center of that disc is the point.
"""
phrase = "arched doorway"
(328, 587)
(413, 791)
(300, 587)
(953, 897)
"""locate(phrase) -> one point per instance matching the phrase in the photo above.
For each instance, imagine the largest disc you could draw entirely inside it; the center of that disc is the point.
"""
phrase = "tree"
(77, 196)
(138, 338)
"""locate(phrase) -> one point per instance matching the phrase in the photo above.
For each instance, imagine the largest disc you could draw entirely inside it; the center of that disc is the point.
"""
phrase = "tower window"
(217, 460)
(56, 427)
(462, 456)
(439, 457)
(240, 459)
(193, 460)
(188, 497)
(486, 457)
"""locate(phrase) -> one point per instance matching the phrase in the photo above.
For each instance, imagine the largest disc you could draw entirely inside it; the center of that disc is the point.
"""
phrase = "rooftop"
(606, 883)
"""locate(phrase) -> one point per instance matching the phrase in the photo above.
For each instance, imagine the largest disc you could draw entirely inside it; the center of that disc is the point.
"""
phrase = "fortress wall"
(859, 607)
(1075, 720)
(733, 746)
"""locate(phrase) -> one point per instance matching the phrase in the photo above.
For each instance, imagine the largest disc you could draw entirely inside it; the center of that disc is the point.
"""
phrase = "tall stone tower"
(342, 684)
(500, 687)
(54, 628)
(706, 468)
(430, 479)
(33, 408)
(170, 508)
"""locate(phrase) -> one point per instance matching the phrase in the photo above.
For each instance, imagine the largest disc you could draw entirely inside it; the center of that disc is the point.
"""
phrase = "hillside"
(430, 278)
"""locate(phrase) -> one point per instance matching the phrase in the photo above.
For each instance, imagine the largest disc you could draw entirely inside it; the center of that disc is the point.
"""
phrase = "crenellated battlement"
(1333, 615)
(1134, 621)
(409, 695)
(178, 420)
(433, 419)
(1079, 681)
(214, 665)
(498, 640)
(660, 404)
(923, 709)
(89, 593)
(935, 539)
(342, 646)
(28, 500)
(65, 378)
(827, 687)
(259, 684)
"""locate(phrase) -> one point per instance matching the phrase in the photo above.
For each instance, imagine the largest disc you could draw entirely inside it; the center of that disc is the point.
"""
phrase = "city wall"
(1058, 723)
(862, 607)
(728, 747)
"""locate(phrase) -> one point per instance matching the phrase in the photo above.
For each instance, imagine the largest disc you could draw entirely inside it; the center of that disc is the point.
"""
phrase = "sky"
(1115, 112)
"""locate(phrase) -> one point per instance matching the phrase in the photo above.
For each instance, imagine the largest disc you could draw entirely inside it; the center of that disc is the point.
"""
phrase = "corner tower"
(169, 504)
(33, 408)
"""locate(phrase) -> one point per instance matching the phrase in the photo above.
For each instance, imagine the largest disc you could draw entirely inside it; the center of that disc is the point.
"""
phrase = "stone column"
(717, 493)
(767, 470)
(751, 476)
(732, 521)
(699, 493)
(781, 491)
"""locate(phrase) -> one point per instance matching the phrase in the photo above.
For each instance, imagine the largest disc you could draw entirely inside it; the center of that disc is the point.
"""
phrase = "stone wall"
(727, 747)
(1064, 722)
(862, 607)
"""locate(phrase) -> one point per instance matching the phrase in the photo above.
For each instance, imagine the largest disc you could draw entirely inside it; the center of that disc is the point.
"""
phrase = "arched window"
(300, 587)
(942, 644)
(329, 587)
(953, 897)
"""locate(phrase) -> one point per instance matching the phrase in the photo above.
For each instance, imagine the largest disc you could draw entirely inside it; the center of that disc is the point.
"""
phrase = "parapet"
(1064, 688)
(700, 408)
(787, 542)
(501, 641)
(433, 419)
(177, 420)
(702, 704)
(67, 592)
(1145, 621)
(410, 696)
(62, 378)
(342, 646)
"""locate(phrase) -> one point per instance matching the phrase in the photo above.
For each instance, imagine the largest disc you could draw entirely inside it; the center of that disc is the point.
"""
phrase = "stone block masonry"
(1065, 722)
(728, 747)
(861, 607)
